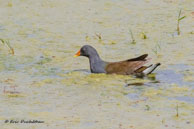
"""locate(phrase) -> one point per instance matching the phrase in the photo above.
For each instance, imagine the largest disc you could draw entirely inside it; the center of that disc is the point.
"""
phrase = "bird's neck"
(96, 64)
(94, 59)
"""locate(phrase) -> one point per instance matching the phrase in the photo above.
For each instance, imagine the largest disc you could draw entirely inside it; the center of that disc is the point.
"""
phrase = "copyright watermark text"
(23, 121)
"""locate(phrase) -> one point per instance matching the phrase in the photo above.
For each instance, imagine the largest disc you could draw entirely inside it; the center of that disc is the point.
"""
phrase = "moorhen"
(132, 66)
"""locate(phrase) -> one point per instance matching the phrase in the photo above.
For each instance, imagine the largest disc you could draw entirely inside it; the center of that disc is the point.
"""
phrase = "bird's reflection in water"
(135, 84)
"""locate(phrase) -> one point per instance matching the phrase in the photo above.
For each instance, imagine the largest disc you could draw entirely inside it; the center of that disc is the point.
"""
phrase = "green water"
(42, 81)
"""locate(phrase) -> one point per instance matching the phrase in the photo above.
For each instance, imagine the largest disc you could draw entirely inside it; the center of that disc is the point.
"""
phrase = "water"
(43, 81)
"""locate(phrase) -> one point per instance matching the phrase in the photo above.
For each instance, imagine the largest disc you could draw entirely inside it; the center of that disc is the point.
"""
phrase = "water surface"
(43, 81)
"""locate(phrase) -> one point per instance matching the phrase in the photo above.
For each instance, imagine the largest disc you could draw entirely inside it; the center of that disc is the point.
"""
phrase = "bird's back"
(126, 67)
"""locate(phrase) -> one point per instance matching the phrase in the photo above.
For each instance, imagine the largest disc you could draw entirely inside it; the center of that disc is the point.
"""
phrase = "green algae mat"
(43, 87)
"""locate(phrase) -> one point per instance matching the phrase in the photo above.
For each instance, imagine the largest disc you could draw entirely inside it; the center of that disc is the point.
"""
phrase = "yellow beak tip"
(77, 54)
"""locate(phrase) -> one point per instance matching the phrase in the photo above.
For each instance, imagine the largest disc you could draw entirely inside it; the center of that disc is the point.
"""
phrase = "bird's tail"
(150, 69)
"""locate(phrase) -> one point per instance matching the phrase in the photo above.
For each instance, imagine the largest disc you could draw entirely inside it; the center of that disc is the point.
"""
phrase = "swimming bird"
(134, 66)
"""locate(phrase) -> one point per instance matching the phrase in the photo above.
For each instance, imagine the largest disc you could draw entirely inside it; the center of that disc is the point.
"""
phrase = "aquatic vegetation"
(9, 4)
(44, 60)
(133, 39)
(156, 48)
(7, 43)
(143, 35)
(178, 21)
(147, 107)
(177, 110)
(42, 82)
(12, 92)
(99, 37)
(60, 90)
(87, 38)
(15, 95)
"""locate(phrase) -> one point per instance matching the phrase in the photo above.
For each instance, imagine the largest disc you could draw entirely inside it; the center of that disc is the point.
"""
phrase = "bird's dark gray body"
(127, 67)
(97, 65)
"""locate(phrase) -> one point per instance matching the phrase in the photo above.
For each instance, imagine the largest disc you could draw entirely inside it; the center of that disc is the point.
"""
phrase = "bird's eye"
(84, 49)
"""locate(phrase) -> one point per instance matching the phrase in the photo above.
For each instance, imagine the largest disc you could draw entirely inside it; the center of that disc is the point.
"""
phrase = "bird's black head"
(87, 51)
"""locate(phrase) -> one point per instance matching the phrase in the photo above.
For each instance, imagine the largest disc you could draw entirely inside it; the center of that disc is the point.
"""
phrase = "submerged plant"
(156, 49)
(147, 107)
(87, 38)
(99, 37)
(143, 35)
(178, 21)
(133, 40)
(7, 43)
(177, 110)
